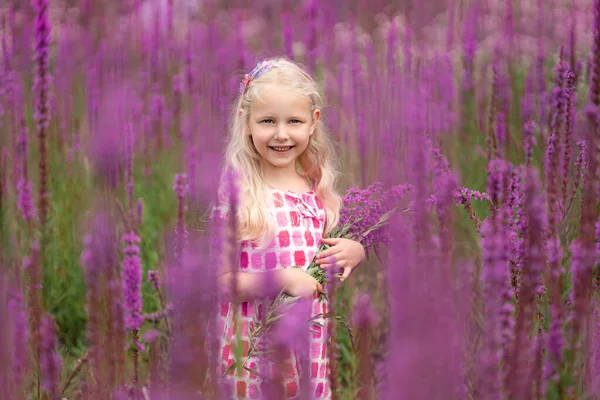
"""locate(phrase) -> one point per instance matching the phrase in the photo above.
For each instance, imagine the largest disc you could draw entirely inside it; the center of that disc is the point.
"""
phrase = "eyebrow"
(266, 116)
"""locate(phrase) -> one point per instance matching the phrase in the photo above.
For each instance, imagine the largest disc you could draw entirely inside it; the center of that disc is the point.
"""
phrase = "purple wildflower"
(21, 151)
(465, 195)
(364, 317)
(157, 113)
(132, 281)
(75, 146)
(364, 314)
(154, 279)
(178, 83)
(191, 162)
(287, 35)
(529, 141)
(555, 336)
(3, 168)
(50, 362)
(553, 146)
(151, 335)
(528, 99)
(569, 93)
(470, 46)
(364, 208)
(445, 187)
(192, 318)
(496, 285)
(25, 201)
(440, 163)
(595, 61)
(42, 114)
(6, 332)
(580, 167)
(552, 158)
(595, 389)
(598, 241)
(181, 188)
(530, 228)
(20, 335)
(129, 182)
(139, 212)
(158, 315)
(582, 264)
(516, 225)
(501, 134)
(189, 64)
(105, 332)
(292, 329)
(462, 195)
(496, 281)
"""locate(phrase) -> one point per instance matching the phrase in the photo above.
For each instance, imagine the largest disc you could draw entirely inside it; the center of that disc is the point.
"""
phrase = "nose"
(281, 133)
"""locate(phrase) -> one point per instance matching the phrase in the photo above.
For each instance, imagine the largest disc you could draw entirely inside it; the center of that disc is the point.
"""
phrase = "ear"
(316, 116)
(240, 114)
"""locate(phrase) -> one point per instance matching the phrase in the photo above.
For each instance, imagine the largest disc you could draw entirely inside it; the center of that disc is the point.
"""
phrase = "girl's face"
(280, 124)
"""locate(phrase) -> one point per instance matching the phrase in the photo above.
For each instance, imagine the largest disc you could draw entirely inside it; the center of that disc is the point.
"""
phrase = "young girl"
(284, 163)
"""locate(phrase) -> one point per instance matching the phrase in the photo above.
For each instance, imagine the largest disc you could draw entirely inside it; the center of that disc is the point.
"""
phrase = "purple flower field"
(468, 134)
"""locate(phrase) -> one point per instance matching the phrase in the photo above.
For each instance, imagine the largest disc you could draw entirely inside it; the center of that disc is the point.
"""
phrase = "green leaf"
(231, 368)
(253, 371)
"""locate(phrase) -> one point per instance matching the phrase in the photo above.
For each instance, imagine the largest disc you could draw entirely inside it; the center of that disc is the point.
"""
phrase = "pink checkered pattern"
(300, 220)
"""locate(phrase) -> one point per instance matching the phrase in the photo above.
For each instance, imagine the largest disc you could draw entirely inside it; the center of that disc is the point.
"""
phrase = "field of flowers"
(486, 113)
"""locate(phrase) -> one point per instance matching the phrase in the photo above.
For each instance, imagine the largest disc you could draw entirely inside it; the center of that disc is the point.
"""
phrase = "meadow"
(113, 119)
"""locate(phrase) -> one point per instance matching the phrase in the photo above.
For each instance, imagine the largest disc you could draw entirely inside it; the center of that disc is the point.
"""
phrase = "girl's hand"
(297, 283)
(343, 253)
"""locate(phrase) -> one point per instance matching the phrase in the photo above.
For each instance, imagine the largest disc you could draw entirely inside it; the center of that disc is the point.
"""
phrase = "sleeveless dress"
(300, 220)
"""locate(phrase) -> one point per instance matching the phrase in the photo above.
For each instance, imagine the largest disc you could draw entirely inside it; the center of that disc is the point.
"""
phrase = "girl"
(284, 164)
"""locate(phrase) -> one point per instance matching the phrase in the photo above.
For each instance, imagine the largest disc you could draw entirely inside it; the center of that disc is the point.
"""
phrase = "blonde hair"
(317, 164)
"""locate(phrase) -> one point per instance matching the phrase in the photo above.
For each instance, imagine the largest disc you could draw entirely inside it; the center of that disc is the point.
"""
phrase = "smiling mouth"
(281, 149)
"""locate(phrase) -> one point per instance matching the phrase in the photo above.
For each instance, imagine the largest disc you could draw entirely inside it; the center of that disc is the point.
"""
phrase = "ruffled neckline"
(289, 191)
(306, 208)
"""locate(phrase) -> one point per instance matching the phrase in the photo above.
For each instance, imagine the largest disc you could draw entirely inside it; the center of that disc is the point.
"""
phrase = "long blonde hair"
(317, 164)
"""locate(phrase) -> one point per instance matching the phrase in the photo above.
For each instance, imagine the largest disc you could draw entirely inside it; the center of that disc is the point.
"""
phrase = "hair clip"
(259, 69)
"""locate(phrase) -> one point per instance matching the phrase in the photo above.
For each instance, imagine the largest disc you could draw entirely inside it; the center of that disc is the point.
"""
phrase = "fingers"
(330, 265)
(328, 253)
(329, 260)
(346, 274)
(330, 241)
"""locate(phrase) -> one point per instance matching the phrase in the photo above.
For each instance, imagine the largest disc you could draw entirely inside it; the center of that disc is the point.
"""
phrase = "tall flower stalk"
(132, 294)
(50, 361)
(181, 188)
(552, 165)
(42, 105)
(589, 213)
(364, 318)
(34, 278)
(518, 369)
(25, 201)
(496, 286)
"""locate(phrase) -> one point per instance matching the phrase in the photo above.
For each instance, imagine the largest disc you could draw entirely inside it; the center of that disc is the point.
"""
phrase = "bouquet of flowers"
(364, 217)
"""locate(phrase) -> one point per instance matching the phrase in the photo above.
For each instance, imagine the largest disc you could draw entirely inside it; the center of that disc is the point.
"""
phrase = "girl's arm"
(243, 286)
(248, 286)
(236, 285)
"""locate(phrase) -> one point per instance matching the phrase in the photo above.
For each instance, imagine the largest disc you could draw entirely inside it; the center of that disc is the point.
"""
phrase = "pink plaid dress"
(300, 220)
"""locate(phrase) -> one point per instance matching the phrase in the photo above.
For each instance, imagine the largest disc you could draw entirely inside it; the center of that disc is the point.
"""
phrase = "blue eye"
(295, 121)
(267, 121)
